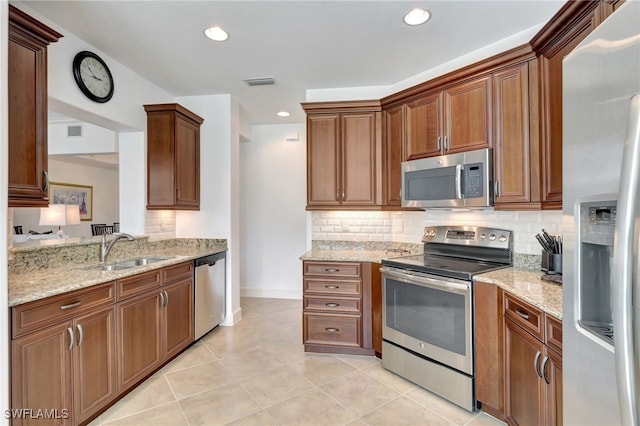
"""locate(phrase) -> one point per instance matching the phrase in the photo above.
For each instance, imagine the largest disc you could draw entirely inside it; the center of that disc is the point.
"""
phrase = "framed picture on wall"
(69, 193)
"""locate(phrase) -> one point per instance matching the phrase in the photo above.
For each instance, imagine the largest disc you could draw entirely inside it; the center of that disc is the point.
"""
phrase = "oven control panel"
(468, 235)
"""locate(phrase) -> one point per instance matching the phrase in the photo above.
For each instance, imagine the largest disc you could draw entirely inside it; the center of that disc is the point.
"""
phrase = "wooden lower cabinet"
(533, 366)
(155, 326)
(67, 369)
(177, 317)
(74, 354)
(139, 335)
(337, 313)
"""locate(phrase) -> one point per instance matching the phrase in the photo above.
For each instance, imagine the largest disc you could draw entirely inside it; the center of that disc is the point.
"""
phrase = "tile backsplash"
(407, 226)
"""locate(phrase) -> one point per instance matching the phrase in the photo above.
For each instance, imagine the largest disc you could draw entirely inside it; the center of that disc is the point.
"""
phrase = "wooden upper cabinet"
(512, 159)
(454, 119)
(392, 146)
(322, 159)
(173, 158)
(555, 41)
(343, 155)
(424, 127)
(27, 109)
(467, 116)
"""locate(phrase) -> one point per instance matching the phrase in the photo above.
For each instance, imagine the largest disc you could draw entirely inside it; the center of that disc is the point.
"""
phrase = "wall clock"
(92, 76)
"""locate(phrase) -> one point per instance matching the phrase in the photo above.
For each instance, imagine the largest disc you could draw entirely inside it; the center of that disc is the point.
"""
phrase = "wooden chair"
(17, 230)
(116, 226)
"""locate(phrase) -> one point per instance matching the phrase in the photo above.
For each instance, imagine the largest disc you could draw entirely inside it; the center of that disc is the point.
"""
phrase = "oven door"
(429, 315)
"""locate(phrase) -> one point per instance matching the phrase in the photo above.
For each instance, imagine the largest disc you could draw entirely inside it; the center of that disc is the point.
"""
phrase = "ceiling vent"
(263, 81)
(74, 131)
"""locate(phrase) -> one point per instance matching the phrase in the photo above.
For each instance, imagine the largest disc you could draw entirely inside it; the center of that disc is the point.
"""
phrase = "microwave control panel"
(473, 180)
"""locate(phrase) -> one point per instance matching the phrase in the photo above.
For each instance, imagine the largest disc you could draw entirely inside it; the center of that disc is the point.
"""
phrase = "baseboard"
(232, 319)
(272, 293)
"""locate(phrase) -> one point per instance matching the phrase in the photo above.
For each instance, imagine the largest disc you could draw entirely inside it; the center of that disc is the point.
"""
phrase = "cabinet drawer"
(524, 314)
(42, 313)
(334, 330)
(138, 284)
(332, 269)
(553, 333)
(332, 304)
(177, 272)
(337, 287)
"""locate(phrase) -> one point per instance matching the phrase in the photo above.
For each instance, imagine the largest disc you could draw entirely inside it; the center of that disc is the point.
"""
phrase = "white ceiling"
(303, 44)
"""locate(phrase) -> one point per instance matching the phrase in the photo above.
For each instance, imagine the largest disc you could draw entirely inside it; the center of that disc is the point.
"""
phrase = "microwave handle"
(459, 181)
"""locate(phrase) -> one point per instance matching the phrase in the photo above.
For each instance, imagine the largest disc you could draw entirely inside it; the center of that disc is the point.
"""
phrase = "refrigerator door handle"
(624, 272)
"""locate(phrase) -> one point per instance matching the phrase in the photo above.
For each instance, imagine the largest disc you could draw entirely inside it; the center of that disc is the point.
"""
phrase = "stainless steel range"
(428, 307)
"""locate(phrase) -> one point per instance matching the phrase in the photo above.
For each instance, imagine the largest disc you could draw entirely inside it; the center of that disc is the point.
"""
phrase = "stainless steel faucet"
(105, 249)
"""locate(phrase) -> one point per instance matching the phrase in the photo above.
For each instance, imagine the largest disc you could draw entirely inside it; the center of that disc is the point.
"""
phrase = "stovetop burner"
(459, 252)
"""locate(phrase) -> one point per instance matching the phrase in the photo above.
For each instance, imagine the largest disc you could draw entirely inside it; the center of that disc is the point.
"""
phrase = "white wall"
(105, 197)
(218, 216)
(272, 215)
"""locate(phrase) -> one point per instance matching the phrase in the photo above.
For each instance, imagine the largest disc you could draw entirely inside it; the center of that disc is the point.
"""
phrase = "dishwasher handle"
(210, 260)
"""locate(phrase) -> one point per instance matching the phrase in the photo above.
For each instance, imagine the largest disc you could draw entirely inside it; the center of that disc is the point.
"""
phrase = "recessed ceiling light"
(417, 16)
(216, 34)
(283, 114)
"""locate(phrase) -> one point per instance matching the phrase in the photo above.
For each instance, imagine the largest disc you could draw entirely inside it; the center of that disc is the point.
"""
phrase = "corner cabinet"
(27, 109)
(343, 155)
(173, 158)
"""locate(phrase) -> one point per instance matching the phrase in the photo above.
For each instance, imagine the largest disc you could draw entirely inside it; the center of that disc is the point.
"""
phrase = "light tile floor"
(257, 373)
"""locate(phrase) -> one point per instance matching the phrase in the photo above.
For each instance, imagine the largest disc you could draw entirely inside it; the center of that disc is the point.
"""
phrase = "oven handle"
(422, 280)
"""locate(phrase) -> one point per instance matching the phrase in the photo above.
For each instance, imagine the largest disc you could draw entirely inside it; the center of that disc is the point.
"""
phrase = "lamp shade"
(60, 214)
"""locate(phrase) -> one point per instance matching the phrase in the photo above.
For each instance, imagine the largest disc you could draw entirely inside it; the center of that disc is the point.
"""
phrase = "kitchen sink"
(129, 263)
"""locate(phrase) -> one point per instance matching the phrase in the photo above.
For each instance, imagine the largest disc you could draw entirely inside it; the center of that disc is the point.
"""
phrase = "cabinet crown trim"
(174, 108)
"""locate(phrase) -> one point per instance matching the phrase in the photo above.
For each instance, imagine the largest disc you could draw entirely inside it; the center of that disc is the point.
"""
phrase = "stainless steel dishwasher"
(209, 292)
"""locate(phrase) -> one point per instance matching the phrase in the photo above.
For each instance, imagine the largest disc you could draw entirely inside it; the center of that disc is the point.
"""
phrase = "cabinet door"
(551, 106)
(358, 155)
(27, 110)
(187, 163)
(138, 338)
(467, 109)
(177, 317)
(392, 156)
(41, 375)
(553, 378)
(424, 135)
(511, 131)
(94, 362)
(322, 159)
(524, 391)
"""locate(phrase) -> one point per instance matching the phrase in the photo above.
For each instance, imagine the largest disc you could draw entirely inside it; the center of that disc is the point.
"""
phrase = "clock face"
(93, 76)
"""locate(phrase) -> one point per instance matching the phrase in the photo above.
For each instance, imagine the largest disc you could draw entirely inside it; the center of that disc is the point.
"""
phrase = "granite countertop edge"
(527, 285)
(35, 285)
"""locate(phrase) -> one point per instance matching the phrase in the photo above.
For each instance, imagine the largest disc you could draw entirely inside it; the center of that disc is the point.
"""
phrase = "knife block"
(551, 263)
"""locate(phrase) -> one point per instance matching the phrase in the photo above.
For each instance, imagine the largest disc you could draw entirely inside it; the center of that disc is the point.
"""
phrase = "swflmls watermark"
(37, 413)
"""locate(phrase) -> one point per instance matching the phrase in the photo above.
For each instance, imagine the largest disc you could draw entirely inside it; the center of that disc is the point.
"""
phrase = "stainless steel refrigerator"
(601, 224)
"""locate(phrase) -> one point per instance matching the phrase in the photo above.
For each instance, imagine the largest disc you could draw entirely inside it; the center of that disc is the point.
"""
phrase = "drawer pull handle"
(71, 305)
(543, 370)
(332, 305)
(332, 329)
(535, 364)
(522, 314)
(332, 287)
(331, 270)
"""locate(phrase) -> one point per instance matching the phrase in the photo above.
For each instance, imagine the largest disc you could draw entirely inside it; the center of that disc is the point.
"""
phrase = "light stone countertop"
(46, 282)
(527, 285)
(348, 255)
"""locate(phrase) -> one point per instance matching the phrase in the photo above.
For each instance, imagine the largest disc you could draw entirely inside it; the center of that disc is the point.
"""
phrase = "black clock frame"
(77, 60)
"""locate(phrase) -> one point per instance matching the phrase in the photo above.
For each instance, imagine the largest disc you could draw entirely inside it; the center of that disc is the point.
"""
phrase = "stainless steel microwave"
(449, 181)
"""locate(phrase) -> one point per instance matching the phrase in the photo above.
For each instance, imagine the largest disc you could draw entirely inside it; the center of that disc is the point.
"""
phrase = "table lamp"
(60, 215)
